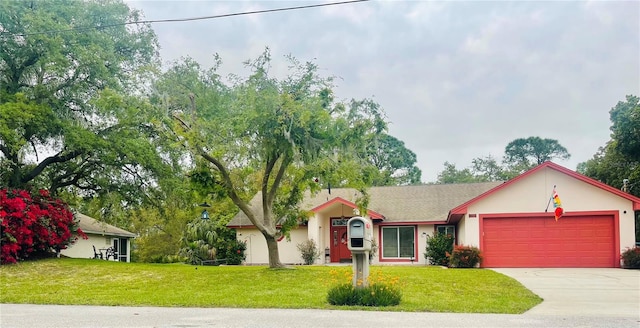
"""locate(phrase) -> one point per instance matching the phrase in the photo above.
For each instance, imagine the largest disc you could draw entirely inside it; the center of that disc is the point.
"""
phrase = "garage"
(578, 240)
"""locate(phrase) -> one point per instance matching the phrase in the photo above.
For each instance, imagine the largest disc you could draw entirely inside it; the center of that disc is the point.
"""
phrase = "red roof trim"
(340, 200)
(462, 209)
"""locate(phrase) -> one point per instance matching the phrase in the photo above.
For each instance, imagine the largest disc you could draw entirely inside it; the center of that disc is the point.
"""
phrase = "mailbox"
(359, 234)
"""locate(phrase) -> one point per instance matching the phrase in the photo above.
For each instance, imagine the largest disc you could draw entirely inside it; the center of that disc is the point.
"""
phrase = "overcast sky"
(458, 80)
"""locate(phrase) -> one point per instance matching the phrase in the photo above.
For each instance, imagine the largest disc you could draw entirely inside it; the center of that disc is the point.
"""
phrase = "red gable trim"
(340, 200)
(462, 209)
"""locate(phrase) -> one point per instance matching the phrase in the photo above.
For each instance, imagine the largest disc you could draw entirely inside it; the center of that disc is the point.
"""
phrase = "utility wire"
(173, 20)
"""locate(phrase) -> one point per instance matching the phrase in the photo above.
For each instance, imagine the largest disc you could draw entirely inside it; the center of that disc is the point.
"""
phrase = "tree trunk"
(15, 177)
(274, 254)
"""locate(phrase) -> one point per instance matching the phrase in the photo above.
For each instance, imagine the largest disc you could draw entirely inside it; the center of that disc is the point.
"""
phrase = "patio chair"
(111, 253)
(96, 255)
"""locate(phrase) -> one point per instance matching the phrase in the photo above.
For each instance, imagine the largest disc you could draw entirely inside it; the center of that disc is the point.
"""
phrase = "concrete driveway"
(588, 292)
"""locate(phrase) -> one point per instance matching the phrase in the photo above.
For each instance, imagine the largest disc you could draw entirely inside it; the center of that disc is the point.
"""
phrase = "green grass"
(95, 282)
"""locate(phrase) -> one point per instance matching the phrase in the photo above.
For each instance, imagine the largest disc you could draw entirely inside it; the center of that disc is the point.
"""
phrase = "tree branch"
(266, 193)
(58, 158)
(5, 150)
(228, 183)
(286, 160)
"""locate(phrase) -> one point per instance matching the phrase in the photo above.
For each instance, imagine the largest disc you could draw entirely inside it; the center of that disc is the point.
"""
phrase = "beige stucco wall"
(531, 194)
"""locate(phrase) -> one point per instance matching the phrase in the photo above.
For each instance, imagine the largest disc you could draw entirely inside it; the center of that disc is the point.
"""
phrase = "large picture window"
(398, 242)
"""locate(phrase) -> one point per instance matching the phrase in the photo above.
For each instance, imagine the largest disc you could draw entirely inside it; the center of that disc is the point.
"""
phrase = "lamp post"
(205, 213)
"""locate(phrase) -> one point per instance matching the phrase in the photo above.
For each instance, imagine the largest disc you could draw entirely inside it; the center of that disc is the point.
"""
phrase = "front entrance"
(339, 250)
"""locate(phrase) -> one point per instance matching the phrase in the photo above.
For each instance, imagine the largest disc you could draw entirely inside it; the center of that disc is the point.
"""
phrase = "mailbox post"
(359, 236)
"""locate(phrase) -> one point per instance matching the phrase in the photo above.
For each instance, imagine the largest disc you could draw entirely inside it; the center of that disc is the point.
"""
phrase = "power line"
(188, 19)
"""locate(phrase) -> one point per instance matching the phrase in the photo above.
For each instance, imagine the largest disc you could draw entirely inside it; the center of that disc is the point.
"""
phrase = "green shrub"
(381, 295)
(195, 252)
(439, 246)
(309, 251)
(344, 294)
(373, 295)
(234, 252)
(168, 259)
(631, 258)
(465, 257)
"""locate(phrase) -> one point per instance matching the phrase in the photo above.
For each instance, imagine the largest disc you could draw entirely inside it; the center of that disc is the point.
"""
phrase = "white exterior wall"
(314, 232)
(531, 194)
(83, 248)
(461, 233)
(423, 232)
(318, 229)
(257, 252)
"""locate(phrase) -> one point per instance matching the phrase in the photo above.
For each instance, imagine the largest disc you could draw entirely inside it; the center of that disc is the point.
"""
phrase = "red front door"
(339, 250)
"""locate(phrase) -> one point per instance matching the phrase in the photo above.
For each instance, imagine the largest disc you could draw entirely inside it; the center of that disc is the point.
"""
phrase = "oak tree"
(523, 154)
(275, 137)
(70, 113)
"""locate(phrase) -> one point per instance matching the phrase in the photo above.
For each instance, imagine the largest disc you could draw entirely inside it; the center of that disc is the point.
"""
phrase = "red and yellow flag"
(557, 204)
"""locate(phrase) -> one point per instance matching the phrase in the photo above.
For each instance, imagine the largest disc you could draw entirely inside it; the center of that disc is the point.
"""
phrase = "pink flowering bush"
(34, 224)
(464, 257)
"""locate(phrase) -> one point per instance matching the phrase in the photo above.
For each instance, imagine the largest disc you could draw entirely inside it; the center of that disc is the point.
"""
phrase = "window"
(398, 242)
(120, 248)
(447, 230)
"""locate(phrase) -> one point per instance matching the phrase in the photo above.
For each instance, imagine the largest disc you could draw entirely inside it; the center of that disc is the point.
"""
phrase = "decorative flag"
(557, 204)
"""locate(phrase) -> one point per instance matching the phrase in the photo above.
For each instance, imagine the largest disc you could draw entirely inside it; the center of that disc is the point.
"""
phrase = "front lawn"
(96, 282)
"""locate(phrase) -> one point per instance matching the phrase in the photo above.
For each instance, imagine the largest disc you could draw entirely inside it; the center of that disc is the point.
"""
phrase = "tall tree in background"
(520, 155)
(625, 127)
(69, 114)
(396, 165)
(619, 159)
(523, 154)
(451, 174)
(487, 169)
(261, 134)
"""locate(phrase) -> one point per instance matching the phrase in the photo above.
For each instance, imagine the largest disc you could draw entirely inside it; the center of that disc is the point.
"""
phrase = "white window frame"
(116, 243)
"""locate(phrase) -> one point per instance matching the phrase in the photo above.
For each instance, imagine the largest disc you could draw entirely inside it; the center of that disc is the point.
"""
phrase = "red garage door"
(581, 241)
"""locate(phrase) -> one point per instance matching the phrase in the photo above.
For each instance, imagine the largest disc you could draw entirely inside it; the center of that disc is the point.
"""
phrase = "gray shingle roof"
(92, 226)
(416, 203)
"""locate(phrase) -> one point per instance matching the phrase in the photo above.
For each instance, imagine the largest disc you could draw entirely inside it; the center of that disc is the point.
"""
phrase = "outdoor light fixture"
(205, 213)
